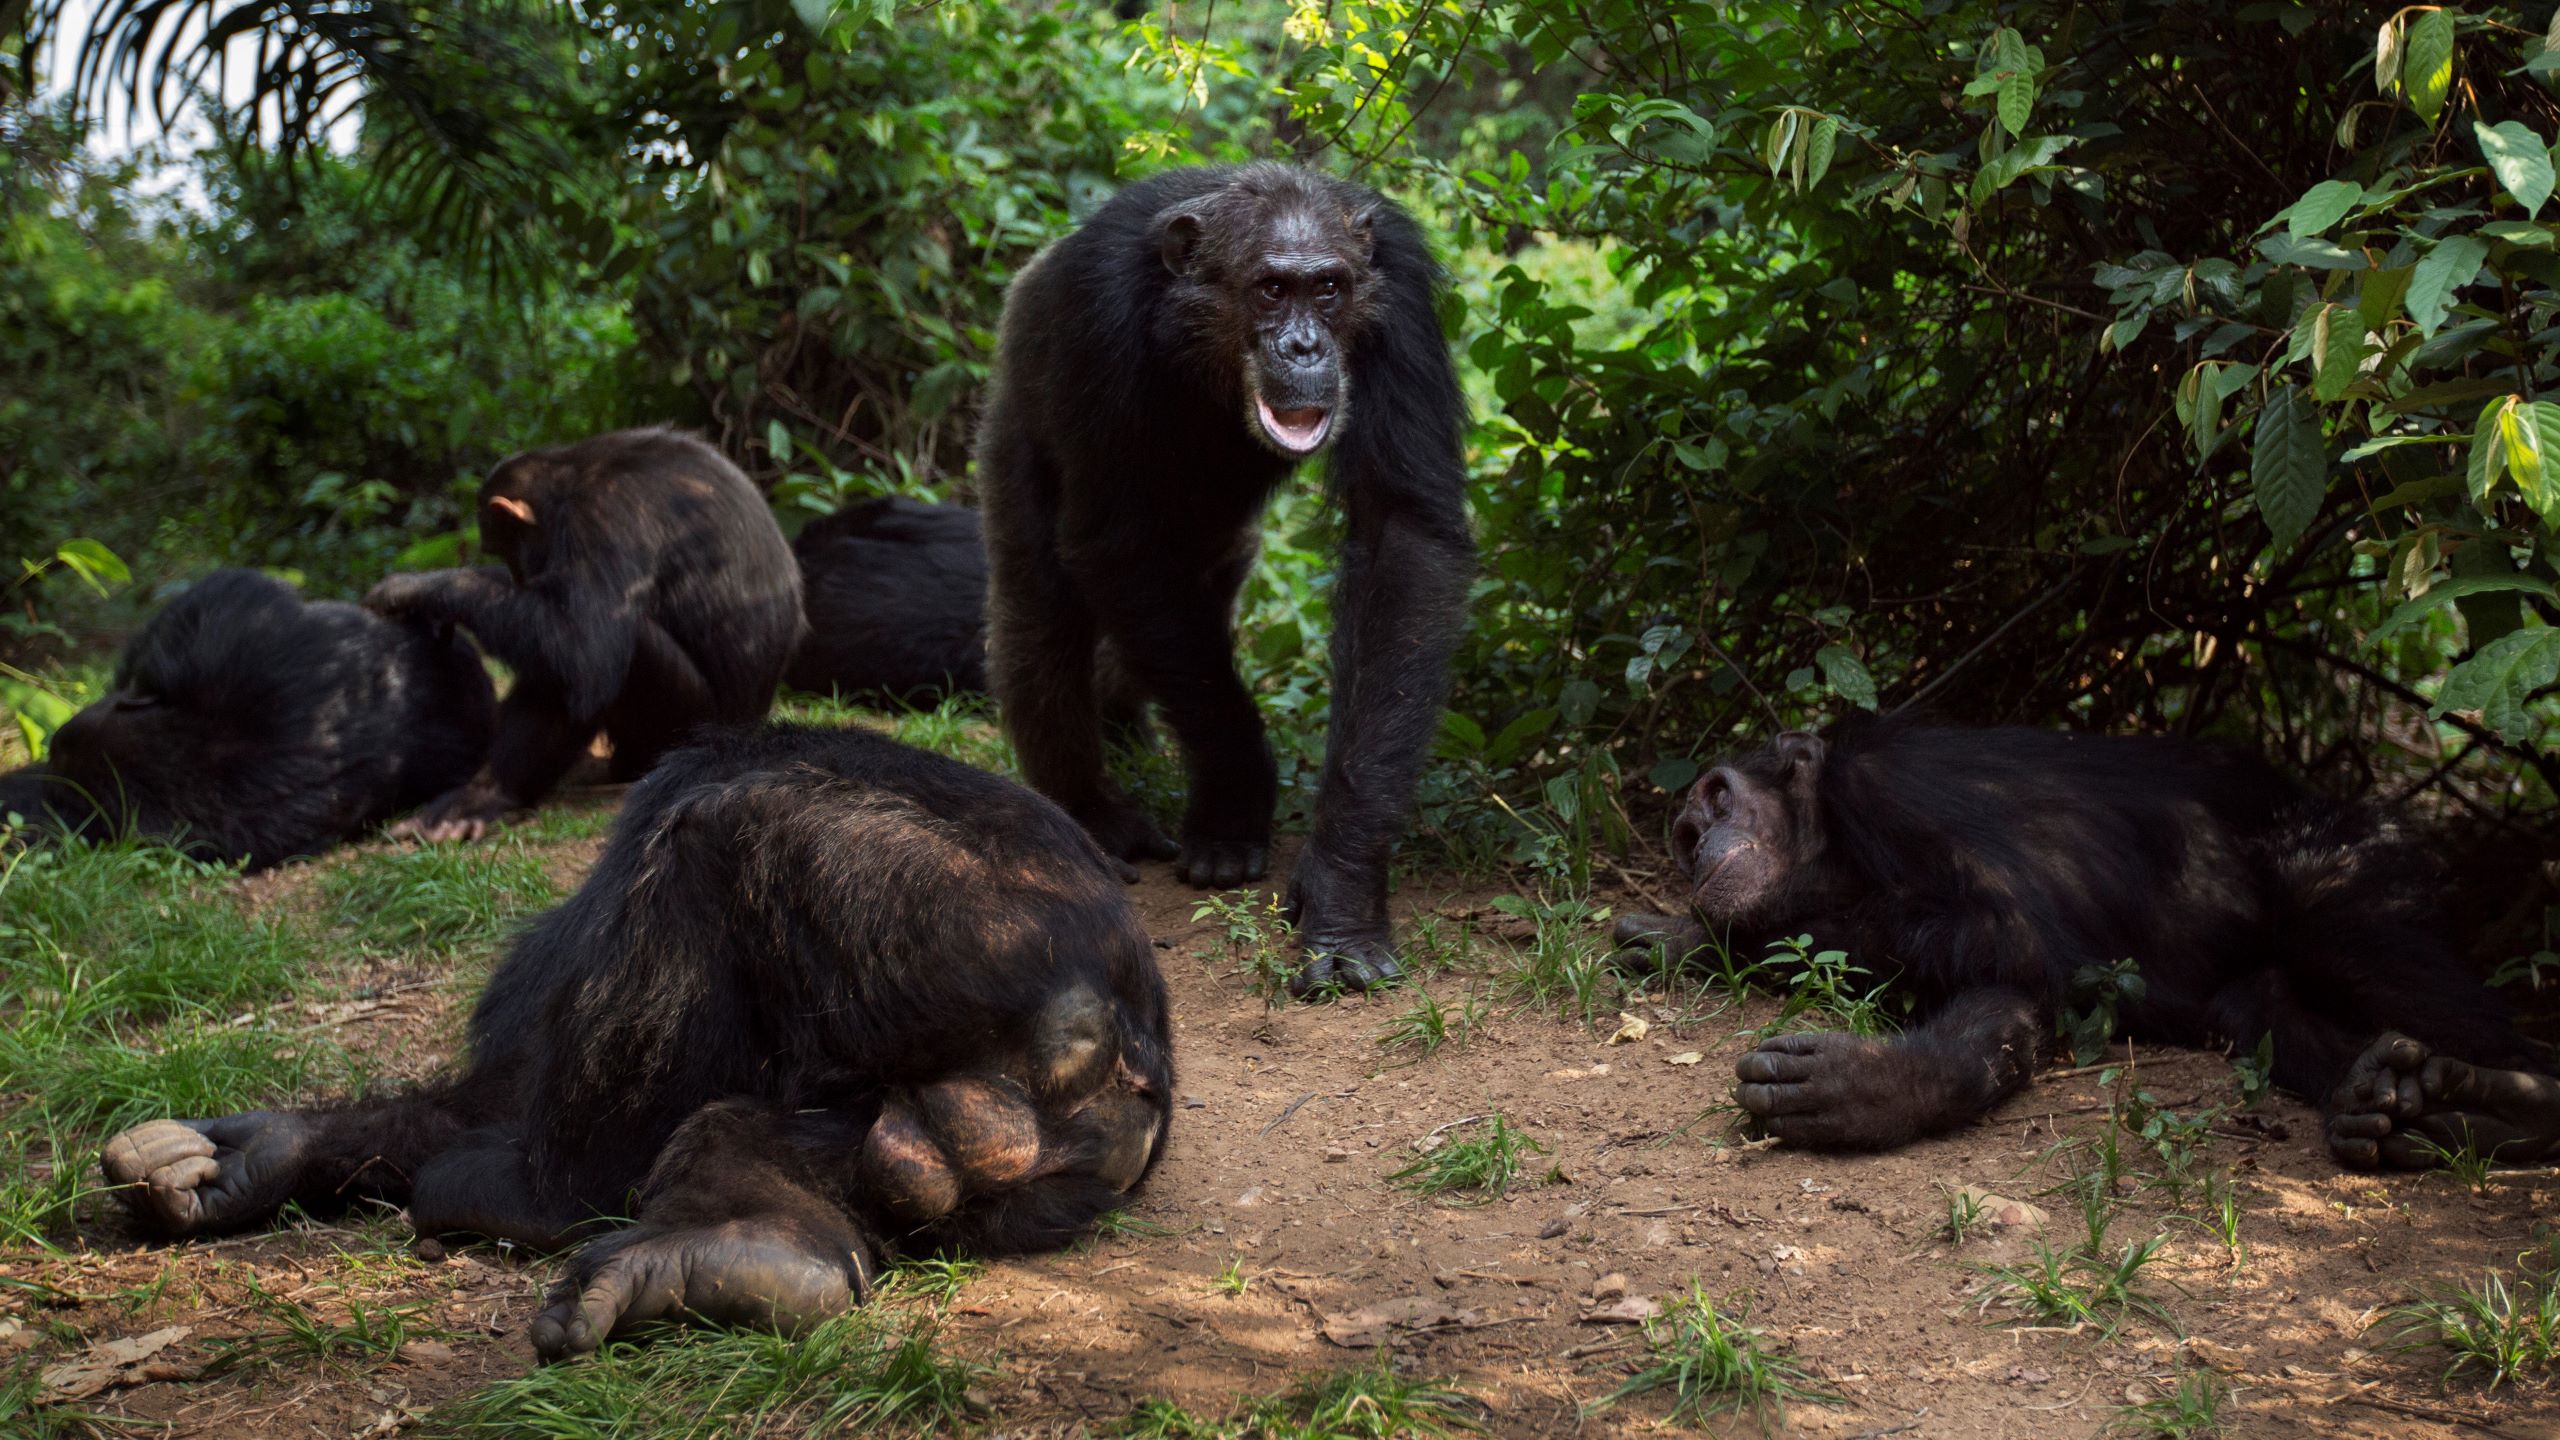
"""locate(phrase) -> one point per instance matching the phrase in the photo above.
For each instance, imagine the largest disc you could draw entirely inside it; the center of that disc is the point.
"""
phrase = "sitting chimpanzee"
(896, 592)
(825, 997)
(1163, 370)
(248, 725)
(646, 591)
(1987, 868)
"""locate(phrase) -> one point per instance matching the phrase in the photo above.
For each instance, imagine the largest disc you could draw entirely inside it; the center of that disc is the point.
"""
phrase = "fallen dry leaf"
(1685, 1057)
(1630, 1028)
(110, 1363)
(2002, 1212)
(1372, 1325)
(1625, 1310)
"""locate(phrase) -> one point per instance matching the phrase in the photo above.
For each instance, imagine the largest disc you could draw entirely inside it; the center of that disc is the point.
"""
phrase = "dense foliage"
(2152, 365)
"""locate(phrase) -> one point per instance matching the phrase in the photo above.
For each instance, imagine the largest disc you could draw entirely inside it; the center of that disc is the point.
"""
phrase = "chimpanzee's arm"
(1399, 603)
(1834, 1091)
(570, 630)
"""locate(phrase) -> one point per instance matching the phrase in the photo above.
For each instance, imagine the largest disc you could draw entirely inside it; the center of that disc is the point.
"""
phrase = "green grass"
(1231, 1280)
(2080, 1287)
(2188, 1412)
(1711, 1363)
(1565, 966)
(370, 1335)
(2496, 1331)
(938, 1278)
(438, 900)
(1425, 1025)
(1369, 1403)
(872, 1369)
(1476, 1170)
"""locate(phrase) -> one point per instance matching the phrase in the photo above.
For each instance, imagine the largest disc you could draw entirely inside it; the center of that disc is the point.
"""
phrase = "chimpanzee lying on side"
(824, 997)
(246, 724)
(896, 593)
(1985, 868)
(646, 591)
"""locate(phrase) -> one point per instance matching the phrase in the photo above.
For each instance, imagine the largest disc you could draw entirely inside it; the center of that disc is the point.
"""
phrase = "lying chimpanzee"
(1986, 868)
(646, 591)
(896, 592)
(249, 725)
(823, 998)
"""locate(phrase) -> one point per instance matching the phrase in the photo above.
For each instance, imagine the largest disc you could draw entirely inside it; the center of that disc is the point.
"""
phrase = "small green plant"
(1371, 1402)
(2175, 1140)
(1481, 1167)
(938, 1278)
(2255, 1073)
(2498, 1330)
(1121, 1225)
(2089, 1009)
(2080, 1286)
(2531, 971)
(1232, 1281)
(1565, 965)
(2191, 1410)
(1828, 992)
(370, 1333)
(2221, 1218)
(1712, 1363)
(1425, 1025)
(1253, 929)
(1964, 1211)
(2464, 1165)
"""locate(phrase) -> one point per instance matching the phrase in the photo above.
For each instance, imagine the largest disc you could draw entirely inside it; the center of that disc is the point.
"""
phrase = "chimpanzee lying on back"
(646, 591)
(1987, 867)
(248, 725)
(896, 593)
(824, 997)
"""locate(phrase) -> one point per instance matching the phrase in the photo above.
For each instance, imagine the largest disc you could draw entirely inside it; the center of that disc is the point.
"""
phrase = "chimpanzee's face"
(1747, 829)
(1282, 285)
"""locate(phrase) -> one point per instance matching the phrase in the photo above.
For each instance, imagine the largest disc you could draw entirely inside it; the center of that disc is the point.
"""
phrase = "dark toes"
(1318, 975)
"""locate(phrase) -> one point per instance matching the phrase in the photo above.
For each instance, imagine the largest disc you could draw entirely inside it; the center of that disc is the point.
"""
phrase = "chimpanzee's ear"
(1178, 229)
(510, 505)
(1363, 224)
(1802, 752)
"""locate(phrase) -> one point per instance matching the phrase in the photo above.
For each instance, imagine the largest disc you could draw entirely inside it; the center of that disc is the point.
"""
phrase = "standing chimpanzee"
(1986, 868)
(249, 726)
(896, 592)
(1162, 371)
(824, 998)
(646, 591)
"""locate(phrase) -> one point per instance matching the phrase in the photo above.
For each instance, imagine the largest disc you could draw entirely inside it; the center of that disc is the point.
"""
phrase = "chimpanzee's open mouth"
(1297, 432)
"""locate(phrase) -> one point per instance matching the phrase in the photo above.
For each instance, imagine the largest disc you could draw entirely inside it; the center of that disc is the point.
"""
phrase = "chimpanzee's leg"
(537, 740)
(663, 701)
(1175, 634)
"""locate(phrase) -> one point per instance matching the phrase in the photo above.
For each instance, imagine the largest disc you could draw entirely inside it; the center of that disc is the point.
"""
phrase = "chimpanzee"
(896, 592)
(1987, 868)
(1162, 371)
(646, 591)
(248, 725)
(824, 998)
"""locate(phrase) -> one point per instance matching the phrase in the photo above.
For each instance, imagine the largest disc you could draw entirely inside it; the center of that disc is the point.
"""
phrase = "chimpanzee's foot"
(2402, 1107)
(1125, 833)
(765, 1272)
(1332, 965)
(204, 1177)
(1638, 938)
(463, 813)
(1835, 1091)
(1221, 864)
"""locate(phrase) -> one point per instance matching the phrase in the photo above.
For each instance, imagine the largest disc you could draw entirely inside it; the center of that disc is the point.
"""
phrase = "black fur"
(794, 938)
(650, 593)
(896, 593)
(1124, 476)
(1986, 868)
(250, 725)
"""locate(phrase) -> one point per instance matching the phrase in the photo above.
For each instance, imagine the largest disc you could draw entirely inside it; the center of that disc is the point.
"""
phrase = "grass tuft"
(1371, 1402)
(2497, 1331)
(1712, 1364)
(435, 899)
(2189, 1412)
(1480, 1167)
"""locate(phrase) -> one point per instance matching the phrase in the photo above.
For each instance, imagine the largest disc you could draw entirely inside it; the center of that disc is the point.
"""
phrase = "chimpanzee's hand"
(2369, 1108)
(202, 1177)
(1829, 1090)
(416, 594)
(463, 813)
(1639, 939)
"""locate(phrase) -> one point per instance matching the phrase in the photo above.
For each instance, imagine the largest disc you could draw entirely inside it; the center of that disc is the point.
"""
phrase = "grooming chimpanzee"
(824, 998)
(1986, 868)
(896, 592)
(646, 591)
(1163, 370)
(248, 725)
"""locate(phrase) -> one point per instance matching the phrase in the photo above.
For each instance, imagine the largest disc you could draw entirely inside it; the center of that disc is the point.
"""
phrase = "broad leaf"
(2337, 348)
(2386, 55)
(2426, 66)
(2413, 611)
(2499, 681)
(1825, 138)
(2440, 272)
(2288, 465)
(2017, 101)
(2518, 158)
(1847, 675)
(2315, 253)
(2322, 206)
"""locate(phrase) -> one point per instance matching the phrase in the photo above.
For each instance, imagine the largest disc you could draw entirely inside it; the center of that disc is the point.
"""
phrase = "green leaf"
(2288, 465)
(2378, 299)
(2386, 55)
(2518, 158)
(2337, 348)
(1674, 775)
(2314, 253)
(2411, 612)
(2017, 101)
(2441, 272)
(1577, 701)
(94, 563)
(1847, 675)
(2321, 206)
(1780, 137)
(2426, 66)
(2499, 680)
(1826, 137)
(2487, 460)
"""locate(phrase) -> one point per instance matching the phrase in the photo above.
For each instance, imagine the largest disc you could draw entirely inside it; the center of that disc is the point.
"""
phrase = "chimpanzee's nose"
(1301, 346)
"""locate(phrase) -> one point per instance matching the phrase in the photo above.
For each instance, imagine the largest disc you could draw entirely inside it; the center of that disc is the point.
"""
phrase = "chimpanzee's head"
(1273, 282)
(1749, 829)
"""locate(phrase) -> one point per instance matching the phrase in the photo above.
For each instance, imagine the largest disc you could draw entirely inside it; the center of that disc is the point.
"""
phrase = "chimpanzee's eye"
(1328, 288)
(135, 699)
(1273, 291)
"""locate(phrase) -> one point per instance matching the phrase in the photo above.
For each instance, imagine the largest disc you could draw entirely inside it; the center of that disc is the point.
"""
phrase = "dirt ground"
(1290, 1122)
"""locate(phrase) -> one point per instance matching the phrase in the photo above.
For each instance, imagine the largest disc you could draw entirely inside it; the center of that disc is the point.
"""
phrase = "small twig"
(1436, 1129)
(2428, 1412)
(1887, 1430)
(1284, 1115)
